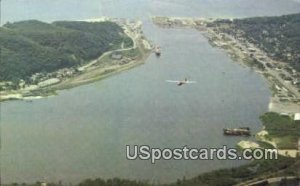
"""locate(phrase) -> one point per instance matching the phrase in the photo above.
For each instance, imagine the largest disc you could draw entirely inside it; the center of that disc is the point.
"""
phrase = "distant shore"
(285, 98)
(100, 68)
(240, 53)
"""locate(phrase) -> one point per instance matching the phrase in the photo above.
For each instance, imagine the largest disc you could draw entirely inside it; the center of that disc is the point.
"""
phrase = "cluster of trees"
(29, 47)
(225, 177)
(112, 182)
(240, 174)
(280, 125)
(253, 62)
(278, 36)
(283, 127)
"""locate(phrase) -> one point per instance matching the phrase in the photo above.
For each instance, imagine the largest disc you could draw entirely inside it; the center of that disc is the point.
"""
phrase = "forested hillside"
(29, 47)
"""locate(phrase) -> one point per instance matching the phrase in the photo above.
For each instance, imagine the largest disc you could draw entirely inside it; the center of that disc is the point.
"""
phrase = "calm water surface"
(82, 132)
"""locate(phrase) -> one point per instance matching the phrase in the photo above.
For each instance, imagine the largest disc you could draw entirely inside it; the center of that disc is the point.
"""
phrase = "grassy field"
(282, 129)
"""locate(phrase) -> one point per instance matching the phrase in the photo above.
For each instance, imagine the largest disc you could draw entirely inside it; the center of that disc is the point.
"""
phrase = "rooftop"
(297, 117)
(116, 56)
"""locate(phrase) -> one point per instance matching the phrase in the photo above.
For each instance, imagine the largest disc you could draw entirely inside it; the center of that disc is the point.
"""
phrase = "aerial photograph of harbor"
(149, 92)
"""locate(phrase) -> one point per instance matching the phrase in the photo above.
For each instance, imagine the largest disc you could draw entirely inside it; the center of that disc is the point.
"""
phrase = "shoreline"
(239, 54)
(285, 98)
(97, 69)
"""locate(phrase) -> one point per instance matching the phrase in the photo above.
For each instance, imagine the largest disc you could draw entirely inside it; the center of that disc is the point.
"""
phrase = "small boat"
(242, 131)
(157, 51)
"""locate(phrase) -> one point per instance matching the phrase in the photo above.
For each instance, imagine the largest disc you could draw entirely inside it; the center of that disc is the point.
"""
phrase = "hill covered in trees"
(278, 36)
(29, 47)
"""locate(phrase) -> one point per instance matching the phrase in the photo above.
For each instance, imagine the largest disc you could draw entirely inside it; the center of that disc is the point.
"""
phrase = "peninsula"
(39, 58)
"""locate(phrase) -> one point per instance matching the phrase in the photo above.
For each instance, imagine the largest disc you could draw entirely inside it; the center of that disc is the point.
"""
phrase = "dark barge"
(242, 131)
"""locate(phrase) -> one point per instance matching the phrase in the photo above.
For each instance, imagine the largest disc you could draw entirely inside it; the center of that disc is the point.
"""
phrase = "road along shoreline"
(109, 63)
(285, 98)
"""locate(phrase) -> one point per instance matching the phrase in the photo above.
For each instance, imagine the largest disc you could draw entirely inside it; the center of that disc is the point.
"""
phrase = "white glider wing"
(191, 82)
(187, 82)
(172, 81)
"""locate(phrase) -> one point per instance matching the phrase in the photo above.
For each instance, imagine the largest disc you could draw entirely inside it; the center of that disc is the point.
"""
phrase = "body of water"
(83, 132)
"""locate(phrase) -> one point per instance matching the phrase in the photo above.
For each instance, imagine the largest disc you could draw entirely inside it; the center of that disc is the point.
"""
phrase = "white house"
(297, 117)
